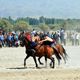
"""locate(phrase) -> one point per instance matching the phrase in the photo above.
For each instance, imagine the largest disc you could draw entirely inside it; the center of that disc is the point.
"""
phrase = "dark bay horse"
(39, 50)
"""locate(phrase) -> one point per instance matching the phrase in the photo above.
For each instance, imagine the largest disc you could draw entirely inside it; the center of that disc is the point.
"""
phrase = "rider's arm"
(43, 40)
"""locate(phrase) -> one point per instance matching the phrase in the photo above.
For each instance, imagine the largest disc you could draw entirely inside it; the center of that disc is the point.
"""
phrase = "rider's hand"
(40, 42)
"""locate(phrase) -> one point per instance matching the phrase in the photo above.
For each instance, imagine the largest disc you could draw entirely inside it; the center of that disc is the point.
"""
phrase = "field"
(11, 66)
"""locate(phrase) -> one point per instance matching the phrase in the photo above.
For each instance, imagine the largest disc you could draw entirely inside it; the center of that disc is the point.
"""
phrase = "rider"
(48, 41)
(32, 44)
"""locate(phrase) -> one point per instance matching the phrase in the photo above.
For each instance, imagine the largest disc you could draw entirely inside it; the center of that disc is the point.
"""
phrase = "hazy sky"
(36, 8)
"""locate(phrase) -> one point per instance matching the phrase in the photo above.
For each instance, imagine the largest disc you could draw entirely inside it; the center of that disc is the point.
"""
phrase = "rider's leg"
(32, 47)
(54, 46)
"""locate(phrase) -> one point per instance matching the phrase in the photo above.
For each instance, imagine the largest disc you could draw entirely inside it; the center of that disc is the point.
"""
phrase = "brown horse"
(40, 50)
(62, 52)
(60, 49)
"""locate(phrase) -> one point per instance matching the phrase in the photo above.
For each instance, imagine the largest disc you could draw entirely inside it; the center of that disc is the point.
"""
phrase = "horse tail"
(57, 54)
(65, 54)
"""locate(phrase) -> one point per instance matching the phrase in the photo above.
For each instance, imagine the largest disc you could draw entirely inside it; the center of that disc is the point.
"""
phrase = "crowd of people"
(9, 39)
(61, 36)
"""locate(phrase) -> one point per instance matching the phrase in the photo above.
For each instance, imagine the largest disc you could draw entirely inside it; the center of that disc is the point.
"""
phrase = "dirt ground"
(11, 66)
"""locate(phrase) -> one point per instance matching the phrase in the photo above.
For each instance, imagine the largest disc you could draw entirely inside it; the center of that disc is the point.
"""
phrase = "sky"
(37, 8)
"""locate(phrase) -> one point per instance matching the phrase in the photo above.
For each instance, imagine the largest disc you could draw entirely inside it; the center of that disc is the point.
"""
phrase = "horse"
(61, 50)
(39, 50)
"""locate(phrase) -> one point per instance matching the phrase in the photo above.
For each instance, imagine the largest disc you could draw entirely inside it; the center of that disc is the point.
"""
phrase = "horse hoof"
(50, 64)
(24, 66)
(37, 67)
(41, 64)
(52, 67)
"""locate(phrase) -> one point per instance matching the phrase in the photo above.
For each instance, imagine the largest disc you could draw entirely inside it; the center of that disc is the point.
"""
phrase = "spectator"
(62, 35)
(1, 39)
(77, 39)
(33, 32)
(65, 38)
(73, 38)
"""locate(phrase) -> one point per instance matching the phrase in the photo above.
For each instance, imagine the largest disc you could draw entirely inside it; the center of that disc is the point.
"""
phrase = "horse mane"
(28, 36)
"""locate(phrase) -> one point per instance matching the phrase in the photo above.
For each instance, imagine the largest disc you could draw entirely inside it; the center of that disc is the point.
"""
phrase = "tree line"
(41, 23)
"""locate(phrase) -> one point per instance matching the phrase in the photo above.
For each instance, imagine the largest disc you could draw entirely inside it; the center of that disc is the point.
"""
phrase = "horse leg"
(64, 58)
(57, 56)
(45, 61)
(40, 61)
(35, 61)
(58, 62)
(25, 60)
(52, 61)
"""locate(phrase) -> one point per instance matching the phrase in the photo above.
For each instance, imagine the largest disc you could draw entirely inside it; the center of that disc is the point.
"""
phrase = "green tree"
(22, 26)
(44, 27)
(42, 19)
(6, 25)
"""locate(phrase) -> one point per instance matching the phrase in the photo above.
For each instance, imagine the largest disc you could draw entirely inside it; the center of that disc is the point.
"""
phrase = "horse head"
(21, 39)
(24, 39)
